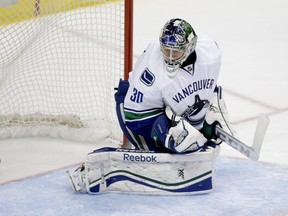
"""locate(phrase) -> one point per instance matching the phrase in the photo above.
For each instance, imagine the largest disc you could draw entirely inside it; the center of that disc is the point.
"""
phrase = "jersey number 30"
(137, 96)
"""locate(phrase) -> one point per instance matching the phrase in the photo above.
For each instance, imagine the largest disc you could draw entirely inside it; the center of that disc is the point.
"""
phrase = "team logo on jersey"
(147, 77)
(194, 110)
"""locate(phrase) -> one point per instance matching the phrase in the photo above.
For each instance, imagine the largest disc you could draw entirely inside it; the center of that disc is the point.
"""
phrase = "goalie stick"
(250, 152)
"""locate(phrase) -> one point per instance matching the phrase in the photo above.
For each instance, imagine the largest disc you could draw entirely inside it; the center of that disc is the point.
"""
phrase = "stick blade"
(261, 128)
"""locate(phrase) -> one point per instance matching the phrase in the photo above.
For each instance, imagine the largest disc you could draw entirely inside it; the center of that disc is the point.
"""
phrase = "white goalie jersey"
(191, 88)
(188, 92)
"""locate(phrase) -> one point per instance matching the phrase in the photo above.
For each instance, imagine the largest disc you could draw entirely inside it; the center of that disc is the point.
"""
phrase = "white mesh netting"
(58, 68)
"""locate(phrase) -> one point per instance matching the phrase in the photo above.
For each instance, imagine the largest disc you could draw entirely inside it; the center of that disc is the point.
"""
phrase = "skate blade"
(72, 182)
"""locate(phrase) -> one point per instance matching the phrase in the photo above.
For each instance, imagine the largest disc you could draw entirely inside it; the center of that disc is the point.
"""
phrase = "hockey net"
(59, 63)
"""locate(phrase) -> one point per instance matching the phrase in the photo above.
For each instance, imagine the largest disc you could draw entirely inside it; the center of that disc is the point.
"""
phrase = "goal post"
(59, 63)
(128, 39)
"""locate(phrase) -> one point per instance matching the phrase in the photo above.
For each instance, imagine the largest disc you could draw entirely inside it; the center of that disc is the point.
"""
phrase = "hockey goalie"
(168, 110)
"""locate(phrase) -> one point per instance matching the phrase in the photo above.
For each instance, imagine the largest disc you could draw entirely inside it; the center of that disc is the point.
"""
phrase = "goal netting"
(59, 63)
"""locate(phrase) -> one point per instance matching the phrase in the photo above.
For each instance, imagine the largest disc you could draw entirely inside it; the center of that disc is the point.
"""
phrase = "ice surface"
(242, 188)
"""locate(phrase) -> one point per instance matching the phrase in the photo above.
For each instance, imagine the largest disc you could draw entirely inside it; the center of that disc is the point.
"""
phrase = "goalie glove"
(184, 137)
(217, 114)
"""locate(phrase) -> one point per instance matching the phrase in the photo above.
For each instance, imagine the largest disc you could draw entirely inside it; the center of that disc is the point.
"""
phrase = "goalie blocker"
(141, 172)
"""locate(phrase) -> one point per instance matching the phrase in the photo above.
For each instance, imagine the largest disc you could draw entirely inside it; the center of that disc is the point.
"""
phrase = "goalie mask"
(177, 41)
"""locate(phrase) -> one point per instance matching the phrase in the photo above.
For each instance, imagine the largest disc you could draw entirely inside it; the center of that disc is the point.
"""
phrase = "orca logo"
(195, 108)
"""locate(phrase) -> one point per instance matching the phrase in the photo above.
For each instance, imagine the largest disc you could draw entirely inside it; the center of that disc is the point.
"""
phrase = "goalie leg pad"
(141, 172)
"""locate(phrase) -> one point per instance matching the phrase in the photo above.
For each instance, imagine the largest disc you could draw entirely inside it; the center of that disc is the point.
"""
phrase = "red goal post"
(128, 38)
(60, 61)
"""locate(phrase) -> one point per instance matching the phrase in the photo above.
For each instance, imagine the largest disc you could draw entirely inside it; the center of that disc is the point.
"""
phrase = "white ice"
(253, 37)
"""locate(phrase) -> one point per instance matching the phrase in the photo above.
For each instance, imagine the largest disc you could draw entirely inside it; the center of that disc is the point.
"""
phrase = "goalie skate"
(77, 179)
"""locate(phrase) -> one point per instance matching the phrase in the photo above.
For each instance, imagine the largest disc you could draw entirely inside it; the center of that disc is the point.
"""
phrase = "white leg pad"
(132, 171)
